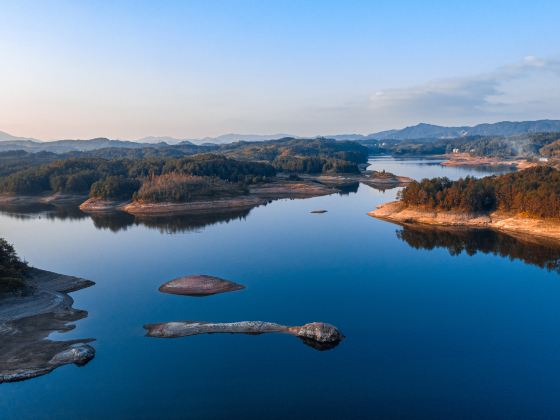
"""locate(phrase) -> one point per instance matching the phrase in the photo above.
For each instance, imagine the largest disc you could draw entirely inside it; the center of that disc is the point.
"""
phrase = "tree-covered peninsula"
(526, 202)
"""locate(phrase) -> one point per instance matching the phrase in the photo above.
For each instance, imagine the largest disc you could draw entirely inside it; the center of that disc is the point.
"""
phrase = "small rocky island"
(318, 335)
(199, 285)
(384, 180)
(33, 304)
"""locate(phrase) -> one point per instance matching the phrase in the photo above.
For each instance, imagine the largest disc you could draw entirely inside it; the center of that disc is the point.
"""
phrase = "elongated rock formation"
(318, 335)
(199, 285)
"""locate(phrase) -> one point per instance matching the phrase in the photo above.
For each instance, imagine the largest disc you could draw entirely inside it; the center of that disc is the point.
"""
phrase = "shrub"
(12, 269)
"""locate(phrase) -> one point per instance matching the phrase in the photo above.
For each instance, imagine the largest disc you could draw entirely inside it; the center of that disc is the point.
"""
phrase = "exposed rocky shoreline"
(29, 317)
(398, 212)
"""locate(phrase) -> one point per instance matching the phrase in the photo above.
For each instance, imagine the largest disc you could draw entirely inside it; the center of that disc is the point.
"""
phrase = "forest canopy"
(534, 191)
(120, 173)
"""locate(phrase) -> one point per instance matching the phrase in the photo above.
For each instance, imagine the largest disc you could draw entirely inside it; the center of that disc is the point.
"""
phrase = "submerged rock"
(318, 335)
(199, 285)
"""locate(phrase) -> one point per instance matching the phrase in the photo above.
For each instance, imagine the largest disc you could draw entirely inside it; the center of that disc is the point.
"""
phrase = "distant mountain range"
(64, 146)
(8, 137)
(504, 128)
(419, 131)
(233, 137)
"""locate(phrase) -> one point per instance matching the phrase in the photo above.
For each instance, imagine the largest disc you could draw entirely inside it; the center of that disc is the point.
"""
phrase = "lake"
(439, 323)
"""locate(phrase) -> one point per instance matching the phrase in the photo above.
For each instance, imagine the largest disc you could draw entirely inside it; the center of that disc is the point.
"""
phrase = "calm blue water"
(430, 334)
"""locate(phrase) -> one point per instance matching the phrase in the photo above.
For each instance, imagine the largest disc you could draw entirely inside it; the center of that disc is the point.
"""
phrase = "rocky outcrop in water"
(199, 285)
(318, 335)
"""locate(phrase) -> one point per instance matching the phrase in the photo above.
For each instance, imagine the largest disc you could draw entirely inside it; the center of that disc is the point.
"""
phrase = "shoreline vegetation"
(173, 181)
(525, 202)
(305, 186)
(34, 304)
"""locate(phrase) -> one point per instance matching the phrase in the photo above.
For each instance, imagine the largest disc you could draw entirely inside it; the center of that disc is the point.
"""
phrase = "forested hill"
(503, 128)
(120, 173)
(534, 192)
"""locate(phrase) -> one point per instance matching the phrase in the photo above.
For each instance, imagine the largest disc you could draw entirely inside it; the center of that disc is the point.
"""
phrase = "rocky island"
(318, 335)
(199, 285)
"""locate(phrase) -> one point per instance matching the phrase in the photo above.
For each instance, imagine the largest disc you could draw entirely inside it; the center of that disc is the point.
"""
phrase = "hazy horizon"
(272, 135)
(130, 70)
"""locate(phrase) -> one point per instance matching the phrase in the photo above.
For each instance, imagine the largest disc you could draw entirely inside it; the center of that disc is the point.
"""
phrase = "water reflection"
(540, 252)
(120, 221)
(348, 189)
(39, 210)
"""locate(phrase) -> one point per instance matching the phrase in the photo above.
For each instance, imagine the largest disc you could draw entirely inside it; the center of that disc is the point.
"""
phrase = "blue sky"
(79, 69)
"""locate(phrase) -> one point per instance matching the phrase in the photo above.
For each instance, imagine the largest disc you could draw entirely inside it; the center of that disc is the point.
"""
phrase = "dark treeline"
(177, 187)
(12, 269)
(302, 155)
(470, 241)
(120, 178)
(534, 191)
(119, 173)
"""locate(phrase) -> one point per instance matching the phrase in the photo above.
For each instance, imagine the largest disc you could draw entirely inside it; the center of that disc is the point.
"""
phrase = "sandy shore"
(511, 223)
(465, 159)
(292, 189)
(138, 208)
(12, 199)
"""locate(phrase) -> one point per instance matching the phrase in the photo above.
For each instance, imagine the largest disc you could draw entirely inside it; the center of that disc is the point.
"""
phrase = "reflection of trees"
(542, 253)
(117, 220)
(347, 189)
(166, 224)
(49, 211)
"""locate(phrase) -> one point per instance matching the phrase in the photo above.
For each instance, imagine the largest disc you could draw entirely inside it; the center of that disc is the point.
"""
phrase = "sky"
(191, 69)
